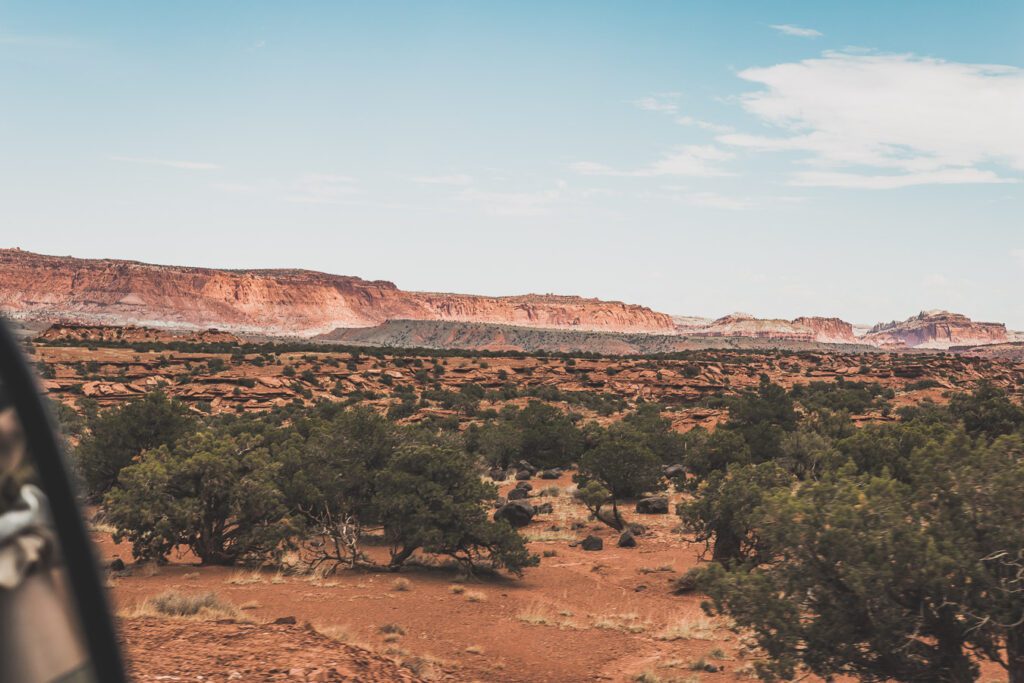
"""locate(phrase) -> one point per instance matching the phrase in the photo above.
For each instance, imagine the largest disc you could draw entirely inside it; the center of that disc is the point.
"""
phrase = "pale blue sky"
(859, 159)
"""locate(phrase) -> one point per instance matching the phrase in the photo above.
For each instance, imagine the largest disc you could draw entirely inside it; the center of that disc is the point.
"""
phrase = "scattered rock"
(522, 475)
(116, 565)
(518, 513)
(498, 474)
(627, 540)
(675, 471)
(525, 485)
(687, 583)
(545, 509)
(284, 621)
(592, 543)
(550, 474)
(518, 494)
(636, 529)
(655, 505)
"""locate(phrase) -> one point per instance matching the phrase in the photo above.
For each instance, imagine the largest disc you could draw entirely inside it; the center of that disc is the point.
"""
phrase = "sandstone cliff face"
(274, 302)
(828, 330)
(805, 329)
(936, 330)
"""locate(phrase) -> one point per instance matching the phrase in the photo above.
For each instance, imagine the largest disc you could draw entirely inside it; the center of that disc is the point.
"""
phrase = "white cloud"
(688, 160)
(170, 163)
(321, 188)
(706, 125)
(799, 31)
(920, 119)
(455, 179)
(1018, 255)
(660, 103)
(948, 176)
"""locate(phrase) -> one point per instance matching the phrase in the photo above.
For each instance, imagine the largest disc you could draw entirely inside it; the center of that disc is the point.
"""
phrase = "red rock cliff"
(805, 329)
(277, 302)
(936, 330)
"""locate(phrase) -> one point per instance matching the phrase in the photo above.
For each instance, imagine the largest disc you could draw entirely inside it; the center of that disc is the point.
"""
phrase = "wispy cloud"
(169, 163)
(705, 125)
(891, 120)
(688, 160)
(666, 103)
(947, 176)
(799, 31)
(457, 179)
(1018, 256)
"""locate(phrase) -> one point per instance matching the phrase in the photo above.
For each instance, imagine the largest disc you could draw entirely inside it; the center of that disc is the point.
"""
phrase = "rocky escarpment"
(273, 302)
(805, 329)
(936, 330)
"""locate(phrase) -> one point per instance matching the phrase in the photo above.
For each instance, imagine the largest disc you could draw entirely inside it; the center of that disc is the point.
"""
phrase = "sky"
(855, 159)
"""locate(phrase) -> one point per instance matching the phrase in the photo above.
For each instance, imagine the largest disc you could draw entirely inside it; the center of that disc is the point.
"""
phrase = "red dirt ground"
(580, 616)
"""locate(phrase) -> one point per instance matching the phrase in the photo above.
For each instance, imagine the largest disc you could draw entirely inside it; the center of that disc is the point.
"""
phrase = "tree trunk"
(398, 558)
(727, 547)
(1015, 654)
(955, 665)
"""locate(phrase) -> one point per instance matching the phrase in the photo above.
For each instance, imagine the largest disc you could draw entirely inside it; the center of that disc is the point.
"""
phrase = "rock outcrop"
(805, 329)
(273, 302)
(936, 330)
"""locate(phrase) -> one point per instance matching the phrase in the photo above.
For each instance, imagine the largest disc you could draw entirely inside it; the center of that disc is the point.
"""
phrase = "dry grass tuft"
(548, 536)
(476, 596)
(538, 614)
(628, 622)
(475, 650)
(245, 578)
(401, 585)
(700, 628)
(203, 606)
(423, 666)
(457, 589)
(391, 628)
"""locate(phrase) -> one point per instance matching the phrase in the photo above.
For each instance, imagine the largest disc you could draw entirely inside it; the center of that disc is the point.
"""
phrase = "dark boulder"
(550, 474)
(498, 474)
(525, 485)
(592, 543)
(518, 513)
(627, 540)
(675, 471)
(518, 494)
(522, 475)
(655, 505)
(545, 509)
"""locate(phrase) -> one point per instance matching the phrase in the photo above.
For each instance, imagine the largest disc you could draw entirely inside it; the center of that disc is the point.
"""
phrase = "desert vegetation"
(861, 524)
